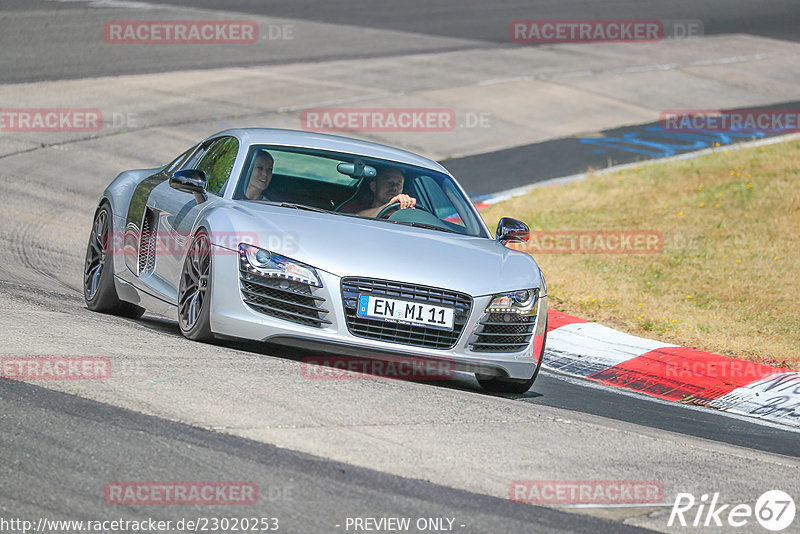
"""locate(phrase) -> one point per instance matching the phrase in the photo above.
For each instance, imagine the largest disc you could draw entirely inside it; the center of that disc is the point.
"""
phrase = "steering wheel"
(384, 213)
(394, 206)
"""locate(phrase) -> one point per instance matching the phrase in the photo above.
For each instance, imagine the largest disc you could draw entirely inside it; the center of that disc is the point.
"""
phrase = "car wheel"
(194, 291)
(495, 384)
(98, 270)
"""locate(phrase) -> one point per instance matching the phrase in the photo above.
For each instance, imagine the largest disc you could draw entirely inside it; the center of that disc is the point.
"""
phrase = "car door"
(138, 237)
(177, 212)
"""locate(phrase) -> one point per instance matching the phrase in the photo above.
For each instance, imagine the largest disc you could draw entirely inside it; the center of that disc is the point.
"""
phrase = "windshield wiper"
(297, 206)
(428, 226)
(304, 207)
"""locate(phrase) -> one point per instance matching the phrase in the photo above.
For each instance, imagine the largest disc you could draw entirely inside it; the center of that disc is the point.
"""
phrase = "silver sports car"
(323, 243)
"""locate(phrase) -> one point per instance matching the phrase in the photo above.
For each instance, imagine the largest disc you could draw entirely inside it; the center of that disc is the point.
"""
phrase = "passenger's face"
(260, 177)
(386, 186)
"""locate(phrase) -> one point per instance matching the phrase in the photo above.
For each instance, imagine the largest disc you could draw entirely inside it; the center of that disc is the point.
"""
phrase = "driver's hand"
(404, 200)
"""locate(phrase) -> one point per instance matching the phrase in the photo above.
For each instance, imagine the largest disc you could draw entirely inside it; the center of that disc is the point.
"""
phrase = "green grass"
(728, 278)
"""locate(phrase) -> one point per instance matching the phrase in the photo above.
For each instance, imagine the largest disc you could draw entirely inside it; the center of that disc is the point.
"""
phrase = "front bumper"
(231, 317)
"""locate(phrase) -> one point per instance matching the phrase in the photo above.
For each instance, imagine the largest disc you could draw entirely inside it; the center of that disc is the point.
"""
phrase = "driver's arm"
(404, 200)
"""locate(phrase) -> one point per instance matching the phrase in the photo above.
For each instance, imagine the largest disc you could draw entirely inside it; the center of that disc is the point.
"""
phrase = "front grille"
(147, 242)
(277, 297)
(407, 334)
(503, 332)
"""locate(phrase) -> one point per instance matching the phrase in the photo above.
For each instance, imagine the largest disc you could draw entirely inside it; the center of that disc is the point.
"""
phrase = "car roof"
(335, 143)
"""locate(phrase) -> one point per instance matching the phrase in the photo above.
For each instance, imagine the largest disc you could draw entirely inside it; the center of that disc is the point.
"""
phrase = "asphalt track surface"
(570, 394)
(58, 450)
(40, 50)
(489, 21)
(574, 155)
(78, 443)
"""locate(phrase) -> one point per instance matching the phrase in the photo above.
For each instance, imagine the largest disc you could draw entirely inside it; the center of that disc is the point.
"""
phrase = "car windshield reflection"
(345, 184)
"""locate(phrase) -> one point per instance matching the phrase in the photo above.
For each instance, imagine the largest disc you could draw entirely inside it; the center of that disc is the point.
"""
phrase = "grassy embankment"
(728, 278)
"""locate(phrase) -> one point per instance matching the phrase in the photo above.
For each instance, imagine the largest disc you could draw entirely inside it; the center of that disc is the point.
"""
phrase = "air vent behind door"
(147, 242)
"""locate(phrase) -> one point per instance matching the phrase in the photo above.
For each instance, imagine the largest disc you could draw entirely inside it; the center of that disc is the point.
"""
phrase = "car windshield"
(333, 182)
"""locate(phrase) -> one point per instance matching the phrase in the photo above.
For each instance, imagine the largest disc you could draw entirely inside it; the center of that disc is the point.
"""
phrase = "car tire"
(194, 290)
(496, 384)
(99, 292)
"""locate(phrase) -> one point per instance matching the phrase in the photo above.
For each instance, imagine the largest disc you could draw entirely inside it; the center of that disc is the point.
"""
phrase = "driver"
(260, 176)
(387, 188)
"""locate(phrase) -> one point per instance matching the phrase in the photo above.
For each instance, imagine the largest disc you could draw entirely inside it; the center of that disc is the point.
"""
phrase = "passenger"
(260, 176)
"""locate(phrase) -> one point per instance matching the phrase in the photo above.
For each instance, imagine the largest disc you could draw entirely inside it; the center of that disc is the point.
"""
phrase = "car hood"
(351, 246)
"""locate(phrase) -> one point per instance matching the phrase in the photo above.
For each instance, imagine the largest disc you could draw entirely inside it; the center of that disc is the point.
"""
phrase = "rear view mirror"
(357, 169)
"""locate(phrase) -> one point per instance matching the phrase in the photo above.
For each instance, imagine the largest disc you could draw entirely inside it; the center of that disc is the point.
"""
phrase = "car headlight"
(269, 263)
(522, 301)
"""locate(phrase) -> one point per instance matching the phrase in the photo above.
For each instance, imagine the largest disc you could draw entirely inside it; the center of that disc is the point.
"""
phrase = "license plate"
(403, 311)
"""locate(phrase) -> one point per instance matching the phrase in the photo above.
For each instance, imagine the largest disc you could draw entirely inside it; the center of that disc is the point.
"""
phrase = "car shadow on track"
(332, 366)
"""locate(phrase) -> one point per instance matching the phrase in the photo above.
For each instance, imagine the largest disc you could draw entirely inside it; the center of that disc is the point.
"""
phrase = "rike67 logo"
(774, 510)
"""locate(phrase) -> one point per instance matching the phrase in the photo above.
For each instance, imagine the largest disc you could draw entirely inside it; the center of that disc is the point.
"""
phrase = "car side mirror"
(512, 231)
(192, 181)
